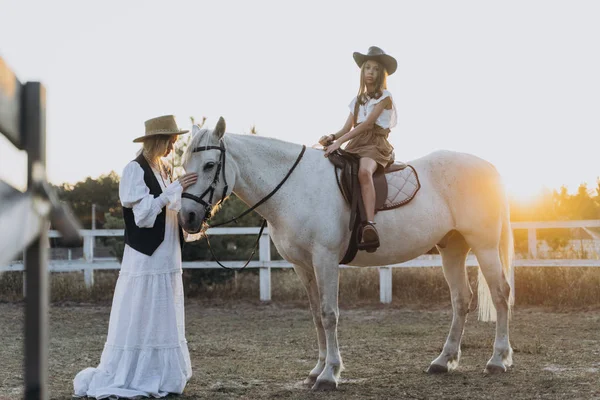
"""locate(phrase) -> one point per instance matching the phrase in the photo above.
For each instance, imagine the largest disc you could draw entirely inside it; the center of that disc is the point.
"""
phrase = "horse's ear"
(220, 128)
(195, 129)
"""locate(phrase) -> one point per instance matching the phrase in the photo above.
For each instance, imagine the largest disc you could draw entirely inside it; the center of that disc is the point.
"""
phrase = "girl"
(372, 115)
(146, 353)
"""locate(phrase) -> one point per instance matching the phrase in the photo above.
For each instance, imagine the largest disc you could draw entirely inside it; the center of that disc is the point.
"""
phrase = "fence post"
(35, 257)
(93, 241)
(264, 254)
(385, 285)
(532, 242)
(88, 255)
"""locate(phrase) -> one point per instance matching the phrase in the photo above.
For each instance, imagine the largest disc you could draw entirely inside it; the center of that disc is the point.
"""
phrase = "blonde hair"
(154, 149)
(380, 82)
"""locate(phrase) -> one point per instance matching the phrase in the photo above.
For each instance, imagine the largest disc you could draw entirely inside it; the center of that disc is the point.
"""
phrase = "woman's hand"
(331, 148)
(327, 139)
(188, 180)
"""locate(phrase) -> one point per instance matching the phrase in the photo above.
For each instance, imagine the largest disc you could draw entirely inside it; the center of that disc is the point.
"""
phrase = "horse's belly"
(408, 232)
(385, 256)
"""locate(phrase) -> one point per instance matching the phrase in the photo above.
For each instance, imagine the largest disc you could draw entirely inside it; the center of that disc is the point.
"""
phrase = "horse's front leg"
(307, 277)
(326, 267)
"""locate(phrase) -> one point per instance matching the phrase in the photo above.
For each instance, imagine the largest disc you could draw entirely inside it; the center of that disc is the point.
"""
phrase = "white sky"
(514, 82)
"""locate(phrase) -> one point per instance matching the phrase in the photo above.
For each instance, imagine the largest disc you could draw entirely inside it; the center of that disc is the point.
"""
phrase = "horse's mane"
(203, 136)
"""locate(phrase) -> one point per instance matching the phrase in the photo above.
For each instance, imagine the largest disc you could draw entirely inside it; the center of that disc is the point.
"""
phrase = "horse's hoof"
(437, 369)
(310, 380)
(324, 385)
(494, 369)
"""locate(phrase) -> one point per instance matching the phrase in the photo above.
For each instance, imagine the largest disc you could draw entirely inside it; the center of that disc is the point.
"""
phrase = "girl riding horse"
(372, 115)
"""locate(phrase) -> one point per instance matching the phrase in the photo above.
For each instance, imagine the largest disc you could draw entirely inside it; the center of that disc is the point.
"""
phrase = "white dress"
(145, 353)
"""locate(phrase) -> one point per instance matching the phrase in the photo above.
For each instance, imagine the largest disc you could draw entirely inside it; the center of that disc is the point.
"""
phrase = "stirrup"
(369, 237)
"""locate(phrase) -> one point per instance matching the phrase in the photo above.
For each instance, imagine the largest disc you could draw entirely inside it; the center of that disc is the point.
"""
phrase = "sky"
(513, 82)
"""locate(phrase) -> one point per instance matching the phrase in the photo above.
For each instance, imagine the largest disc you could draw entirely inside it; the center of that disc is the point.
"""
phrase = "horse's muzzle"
(191, 220)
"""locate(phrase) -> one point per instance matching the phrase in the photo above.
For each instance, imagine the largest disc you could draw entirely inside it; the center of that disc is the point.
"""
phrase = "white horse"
(462, 205)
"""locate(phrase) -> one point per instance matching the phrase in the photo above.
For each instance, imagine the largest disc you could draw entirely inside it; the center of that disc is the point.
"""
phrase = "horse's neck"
(261, 164)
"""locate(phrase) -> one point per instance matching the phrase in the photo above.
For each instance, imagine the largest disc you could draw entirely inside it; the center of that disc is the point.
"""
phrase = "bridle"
(210, 191)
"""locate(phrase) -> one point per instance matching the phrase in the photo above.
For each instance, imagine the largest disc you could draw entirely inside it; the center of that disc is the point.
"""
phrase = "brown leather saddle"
(346, 174)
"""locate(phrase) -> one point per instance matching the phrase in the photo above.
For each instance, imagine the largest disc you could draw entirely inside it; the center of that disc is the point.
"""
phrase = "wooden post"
(385, 285)
(88, 274)
(264, 252)
(93, 241)
(532, 242)
(23, 122)
(88, 250)
(36, 255)
(88, 255)
(88, 277)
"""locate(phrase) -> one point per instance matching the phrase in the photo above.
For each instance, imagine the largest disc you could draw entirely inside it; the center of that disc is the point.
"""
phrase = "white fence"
(89, 263)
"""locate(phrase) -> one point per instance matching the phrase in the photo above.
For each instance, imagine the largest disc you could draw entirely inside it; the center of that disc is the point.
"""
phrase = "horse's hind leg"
(491, 267)
(454, 250)
(307, 277)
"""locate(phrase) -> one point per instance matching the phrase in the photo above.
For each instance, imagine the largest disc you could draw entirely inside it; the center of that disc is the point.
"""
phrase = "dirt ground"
(257, 351)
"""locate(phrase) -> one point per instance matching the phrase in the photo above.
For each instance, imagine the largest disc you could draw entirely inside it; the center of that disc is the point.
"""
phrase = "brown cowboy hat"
(375, 53)
(163, 126)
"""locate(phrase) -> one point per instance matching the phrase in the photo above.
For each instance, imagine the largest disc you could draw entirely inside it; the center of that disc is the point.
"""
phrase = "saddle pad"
(403, 185)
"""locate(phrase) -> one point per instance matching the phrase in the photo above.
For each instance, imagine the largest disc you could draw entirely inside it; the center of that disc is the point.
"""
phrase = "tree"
(556, 205)
(103, 191)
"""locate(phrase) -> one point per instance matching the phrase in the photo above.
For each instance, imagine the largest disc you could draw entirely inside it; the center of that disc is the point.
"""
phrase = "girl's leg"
(366, 170)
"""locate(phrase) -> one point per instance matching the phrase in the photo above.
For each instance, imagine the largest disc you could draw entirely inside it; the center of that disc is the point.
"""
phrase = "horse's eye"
(209, 166)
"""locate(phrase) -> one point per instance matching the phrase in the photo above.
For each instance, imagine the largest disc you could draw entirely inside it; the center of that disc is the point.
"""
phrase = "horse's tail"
(486, 309)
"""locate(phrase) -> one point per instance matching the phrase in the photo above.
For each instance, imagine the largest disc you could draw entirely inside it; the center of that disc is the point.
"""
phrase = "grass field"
(248, 350)
(550, 287)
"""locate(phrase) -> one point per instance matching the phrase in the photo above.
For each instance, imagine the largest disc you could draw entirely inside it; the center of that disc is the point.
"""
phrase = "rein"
(211, 190)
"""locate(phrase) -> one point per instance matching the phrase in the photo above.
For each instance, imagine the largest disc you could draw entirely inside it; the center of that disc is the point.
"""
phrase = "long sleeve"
(134, 194)
(173, 194)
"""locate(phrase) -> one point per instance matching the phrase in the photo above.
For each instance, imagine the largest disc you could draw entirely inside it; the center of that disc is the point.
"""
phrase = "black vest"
(147, 240)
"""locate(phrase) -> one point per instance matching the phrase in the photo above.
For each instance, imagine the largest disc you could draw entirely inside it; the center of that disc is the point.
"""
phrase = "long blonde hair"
(380, 82)
(154, 149)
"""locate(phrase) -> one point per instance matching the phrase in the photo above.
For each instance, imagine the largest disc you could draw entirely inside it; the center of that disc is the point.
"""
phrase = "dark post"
(33, 123)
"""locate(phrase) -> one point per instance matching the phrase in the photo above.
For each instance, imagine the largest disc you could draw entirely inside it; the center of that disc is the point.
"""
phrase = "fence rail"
(89, 264)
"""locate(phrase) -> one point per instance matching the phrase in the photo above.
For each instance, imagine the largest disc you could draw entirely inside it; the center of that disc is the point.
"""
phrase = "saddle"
(395, 186)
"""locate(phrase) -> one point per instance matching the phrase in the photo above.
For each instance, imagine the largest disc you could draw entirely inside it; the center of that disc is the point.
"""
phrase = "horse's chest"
(289, 246)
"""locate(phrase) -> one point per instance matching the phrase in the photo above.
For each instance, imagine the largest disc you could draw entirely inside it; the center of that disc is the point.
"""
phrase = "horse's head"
(206, 156)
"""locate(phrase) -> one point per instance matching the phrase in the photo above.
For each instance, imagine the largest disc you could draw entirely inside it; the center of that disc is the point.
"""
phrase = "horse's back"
(451, 162)
(471, 187)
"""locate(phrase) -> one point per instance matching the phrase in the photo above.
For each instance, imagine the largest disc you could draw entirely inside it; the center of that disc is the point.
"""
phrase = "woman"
(146, 353)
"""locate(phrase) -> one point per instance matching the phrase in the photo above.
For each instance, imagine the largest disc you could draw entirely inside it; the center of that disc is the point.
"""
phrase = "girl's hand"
(331, 148)
(325, 140)
(188, 180)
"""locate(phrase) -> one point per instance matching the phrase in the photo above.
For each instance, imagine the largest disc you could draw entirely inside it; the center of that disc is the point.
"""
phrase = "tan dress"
(373, 143)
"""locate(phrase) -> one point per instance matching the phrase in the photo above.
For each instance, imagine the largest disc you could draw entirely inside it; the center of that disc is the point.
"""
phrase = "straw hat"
(163, 126)
(375, 53)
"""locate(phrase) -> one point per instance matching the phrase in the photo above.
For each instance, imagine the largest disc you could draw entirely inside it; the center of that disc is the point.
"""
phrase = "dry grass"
(249, 350)
(555, 288)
